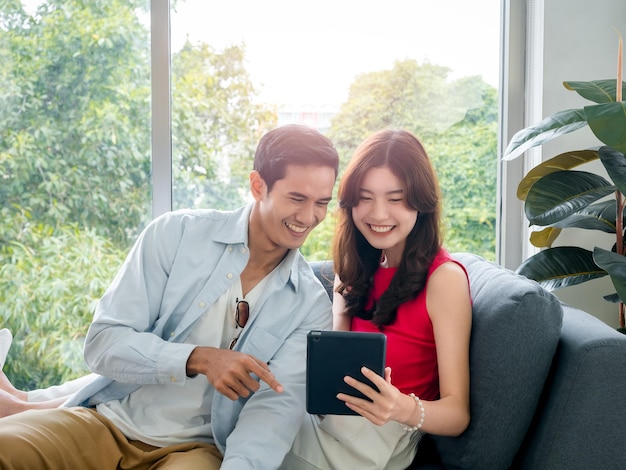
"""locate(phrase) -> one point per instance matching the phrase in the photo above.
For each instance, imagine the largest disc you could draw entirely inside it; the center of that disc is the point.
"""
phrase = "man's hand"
(230, 371)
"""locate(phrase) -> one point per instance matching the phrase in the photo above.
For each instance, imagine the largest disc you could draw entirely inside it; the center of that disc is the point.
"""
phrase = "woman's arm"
(341, 321)
(449, 305)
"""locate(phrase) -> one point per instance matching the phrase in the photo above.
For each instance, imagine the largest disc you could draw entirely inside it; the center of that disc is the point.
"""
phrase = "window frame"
(511, 231)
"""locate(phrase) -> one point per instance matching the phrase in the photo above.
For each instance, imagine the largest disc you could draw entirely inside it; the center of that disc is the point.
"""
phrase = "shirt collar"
(235, 231)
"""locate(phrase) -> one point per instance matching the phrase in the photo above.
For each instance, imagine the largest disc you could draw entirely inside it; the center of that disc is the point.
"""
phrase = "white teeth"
(381, 228)
(295, 228)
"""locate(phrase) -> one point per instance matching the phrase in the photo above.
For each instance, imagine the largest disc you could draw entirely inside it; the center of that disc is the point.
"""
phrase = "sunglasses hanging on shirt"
(242, 313)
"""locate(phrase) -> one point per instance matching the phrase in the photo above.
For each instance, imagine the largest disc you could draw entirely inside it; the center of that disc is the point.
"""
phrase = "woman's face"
(382, 215)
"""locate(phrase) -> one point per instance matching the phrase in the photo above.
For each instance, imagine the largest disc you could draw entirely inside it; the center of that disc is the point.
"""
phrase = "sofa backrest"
(515, 332)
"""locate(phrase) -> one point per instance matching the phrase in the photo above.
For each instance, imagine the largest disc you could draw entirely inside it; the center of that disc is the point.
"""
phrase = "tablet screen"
(331, 355)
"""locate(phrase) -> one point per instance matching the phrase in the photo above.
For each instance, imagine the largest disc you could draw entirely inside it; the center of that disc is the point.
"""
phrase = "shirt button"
(230, 248)
(201, 304)
(172, 379)
(229, 275)
(172, 334)
(244, 250)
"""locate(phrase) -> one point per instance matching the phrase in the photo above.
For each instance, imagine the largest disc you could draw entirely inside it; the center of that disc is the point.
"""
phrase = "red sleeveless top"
(411, 351)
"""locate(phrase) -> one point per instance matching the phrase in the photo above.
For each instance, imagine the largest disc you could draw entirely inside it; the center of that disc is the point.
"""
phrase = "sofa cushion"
(515, 331)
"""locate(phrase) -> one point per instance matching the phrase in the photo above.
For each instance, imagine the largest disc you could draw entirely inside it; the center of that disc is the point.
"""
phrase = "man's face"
(295, 204)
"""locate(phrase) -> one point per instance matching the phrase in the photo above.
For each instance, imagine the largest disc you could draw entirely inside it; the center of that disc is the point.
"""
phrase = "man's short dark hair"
(292, 144)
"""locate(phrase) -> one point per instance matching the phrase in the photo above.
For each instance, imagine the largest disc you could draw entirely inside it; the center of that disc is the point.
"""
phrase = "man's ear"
(258, 187)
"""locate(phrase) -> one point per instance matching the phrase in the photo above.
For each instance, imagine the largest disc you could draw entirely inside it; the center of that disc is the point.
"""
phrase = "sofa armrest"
(581, 420)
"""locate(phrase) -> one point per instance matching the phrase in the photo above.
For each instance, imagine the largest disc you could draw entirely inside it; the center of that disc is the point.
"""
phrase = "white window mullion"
(161, 107)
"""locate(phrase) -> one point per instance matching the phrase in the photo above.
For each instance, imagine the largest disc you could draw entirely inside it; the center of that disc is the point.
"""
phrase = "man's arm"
(121, 343)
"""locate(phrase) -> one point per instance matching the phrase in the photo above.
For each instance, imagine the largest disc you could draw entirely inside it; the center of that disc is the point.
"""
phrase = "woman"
(392, 275)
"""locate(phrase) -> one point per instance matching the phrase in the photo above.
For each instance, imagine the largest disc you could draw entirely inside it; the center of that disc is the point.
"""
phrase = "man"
(200, 339)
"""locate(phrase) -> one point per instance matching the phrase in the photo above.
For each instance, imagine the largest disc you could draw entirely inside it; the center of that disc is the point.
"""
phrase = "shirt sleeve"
(120, 343)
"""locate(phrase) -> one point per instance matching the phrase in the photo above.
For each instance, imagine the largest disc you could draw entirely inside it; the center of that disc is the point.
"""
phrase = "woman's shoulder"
(447, 287)
(446, 266)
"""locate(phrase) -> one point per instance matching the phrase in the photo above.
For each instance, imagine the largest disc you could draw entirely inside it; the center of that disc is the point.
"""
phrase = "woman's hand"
(387, 404)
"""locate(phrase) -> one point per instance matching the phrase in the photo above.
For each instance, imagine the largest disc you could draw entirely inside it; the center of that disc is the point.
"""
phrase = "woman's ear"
(257, 186)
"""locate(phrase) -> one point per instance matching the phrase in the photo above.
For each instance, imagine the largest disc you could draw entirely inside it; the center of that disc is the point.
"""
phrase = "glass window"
(77, 89)
(74, 169)
(346, 68)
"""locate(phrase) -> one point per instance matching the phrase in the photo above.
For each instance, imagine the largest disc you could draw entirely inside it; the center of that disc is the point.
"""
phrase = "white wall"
(579, 43)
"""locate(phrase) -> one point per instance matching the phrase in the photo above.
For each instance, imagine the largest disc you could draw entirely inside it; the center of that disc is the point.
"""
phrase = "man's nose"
(306, 215)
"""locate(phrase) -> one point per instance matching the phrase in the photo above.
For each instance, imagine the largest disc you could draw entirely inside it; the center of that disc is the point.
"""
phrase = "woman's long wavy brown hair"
(355, 260)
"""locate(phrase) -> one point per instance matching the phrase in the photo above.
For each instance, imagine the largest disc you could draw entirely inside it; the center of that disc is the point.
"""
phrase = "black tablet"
(331, 355)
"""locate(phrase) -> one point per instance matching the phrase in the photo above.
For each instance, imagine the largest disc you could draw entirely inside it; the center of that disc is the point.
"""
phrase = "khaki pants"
(80, 438)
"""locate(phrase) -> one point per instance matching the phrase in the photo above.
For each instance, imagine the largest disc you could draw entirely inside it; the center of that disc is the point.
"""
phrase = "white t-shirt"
(167, 414)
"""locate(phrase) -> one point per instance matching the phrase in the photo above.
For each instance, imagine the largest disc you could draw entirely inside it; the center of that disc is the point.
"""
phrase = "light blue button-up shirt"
(181, 263)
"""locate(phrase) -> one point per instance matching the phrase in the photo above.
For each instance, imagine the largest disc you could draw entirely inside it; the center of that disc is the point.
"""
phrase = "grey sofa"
(548, 381)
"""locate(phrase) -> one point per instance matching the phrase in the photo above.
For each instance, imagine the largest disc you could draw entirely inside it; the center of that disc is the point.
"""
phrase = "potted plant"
(557, 195)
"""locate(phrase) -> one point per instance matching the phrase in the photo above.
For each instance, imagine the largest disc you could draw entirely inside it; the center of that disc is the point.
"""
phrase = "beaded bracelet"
(420, 406)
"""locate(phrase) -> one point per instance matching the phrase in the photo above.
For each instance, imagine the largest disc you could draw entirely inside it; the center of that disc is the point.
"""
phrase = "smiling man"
(200, 339)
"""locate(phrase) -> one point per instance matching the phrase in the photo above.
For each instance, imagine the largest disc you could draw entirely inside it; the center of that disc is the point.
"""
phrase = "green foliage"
(216, 124)
(465, 159)
(411, 96)
(50, 281)
(457, 123)
(318, 245)
(556, 196)
(75, 152)
(75, 120)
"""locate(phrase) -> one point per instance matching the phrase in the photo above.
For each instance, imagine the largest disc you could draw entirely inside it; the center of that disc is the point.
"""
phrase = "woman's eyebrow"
(388, 193)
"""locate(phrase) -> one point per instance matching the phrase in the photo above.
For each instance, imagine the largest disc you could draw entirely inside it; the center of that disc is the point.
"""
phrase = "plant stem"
(619, 222)
(620, 202)
(618, 88)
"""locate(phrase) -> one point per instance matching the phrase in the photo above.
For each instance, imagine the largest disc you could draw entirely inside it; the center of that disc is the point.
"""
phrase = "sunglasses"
(242, 313)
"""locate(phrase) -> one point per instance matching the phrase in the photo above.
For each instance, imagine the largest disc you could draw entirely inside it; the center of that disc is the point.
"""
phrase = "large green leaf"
(562, 193)
(615, 265)
(561, 266)
(598, 91)
(608, 122)
(560, 123)
(544, 238)
(613, 298)
(615, 164)
(599, 216)
(563, 161)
